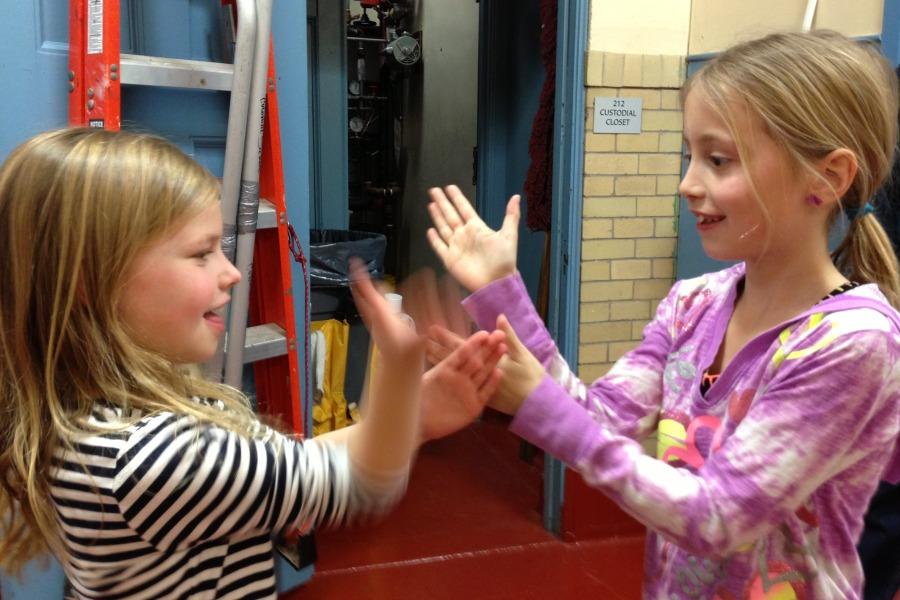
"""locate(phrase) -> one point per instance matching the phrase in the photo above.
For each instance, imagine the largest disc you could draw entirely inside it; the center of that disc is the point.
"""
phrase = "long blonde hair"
(76, 206)
(814, 93)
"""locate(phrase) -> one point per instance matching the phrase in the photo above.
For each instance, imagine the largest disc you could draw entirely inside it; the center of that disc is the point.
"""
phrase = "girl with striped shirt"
(144, 480)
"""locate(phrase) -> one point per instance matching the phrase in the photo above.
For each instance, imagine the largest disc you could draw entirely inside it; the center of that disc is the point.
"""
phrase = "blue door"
(33, 70)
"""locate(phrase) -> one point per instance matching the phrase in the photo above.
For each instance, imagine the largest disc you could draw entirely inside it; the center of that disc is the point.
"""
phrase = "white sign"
(617, 115)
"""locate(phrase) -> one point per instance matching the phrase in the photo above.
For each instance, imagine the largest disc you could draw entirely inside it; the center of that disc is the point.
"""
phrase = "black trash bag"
(331, 250)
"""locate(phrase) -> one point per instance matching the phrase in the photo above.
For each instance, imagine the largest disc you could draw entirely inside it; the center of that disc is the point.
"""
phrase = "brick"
(594, 311)
(637, 329)
(652, 71)
(598, 291)
(640, 268)
(632, 70)
(594, 68)
(655, 206)
(635, 185)
(596, 228)
(618, 349)
(655, 248)
(613, 67)
(667, 184)
(599, 186)
(642, 142)
(669, 99)
(629, 309)
(651, 289)
(613, 331)
(661, 120)
(609, 206)
(601, 249)
(593, 372)
(650, 98)
(599, 142)
(611, 164)
(663, 268)
(599, 92)
(670, 141)
(674, 71)
(660, 164)
(595, 270)
(593, 354)
(665, 227)
(632, 228)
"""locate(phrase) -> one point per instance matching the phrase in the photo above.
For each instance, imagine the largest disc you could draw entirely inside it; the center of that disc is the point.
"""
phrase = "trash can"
(330, 251)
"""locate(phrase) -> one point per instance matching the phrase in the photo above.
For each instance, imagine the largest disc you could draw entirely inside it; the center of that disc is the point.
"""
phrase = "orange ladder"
(257, 236)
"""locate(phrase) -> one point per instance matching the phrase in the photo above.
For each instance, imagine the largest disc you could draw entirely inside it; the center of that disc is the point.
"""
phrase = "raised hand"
(456, 390)
(474, 253)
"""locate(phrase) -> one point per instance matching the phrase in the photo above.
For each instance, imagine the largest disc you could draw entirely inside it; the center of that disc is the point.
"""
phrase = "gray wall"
(440, 128)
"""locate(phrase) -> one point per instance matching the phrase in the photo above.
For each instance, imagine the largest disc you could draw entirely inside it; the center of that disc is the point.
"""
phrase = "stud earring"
(814, 200)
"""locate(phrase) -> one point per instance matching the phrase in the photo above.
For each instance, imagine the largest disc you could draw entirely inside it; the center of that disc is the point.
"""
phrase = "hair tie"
(855, 212)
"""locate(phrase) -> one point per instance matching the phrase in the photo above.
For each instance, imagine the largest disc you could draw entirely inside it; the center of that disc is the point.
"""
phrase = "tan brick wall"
(629, 228)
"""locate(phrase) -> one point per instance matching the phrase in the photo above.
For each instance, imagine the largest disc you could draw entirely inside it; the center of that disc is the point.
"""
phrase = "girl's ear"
(836, 170)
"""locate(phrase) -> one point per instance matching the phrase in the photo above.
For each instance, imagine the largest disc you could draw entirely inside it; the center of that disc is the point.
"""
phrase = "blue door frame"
(35, 51)
(568, 176)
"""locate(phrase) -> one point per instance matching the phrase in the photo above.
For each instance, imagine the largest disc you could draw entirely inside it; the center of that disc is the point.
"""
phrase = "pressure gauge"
(354, 87)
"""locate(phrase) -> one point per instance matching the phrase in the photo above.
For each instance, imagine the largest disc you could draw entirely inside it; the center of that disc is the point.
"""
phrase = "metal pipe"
(248, 205)
(245, 45)
(810, 14)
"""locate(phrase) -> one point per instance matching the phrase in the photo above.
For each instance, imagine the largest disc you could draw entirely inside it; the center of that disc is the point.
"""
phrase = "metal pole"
(245, 46)
(248, 206)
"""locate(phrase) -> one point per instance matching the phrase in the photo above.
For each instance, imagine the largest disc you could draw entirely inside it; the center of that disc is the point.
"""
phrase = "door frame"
(568, 180)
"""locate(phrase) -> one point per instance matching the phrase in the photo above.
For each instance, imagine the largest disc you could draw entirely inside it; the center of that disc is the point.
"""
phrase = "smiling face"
(174, 288)
(743, 211)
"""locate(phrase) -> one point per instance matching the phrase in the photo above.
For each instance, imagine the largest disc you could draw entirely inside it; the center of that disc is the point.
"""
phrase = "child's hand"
(474, 253)
(456, 390)
(399, 345)
(522, 372)
(441, 343)
(435, 303)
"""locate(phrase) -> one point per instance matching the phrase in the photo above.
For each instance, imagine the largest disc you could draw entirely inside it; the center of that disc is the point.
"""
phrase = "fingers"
(516, 348)
(513, 213)
(437, 244)
(435, 353)
(490, 386)
(461, 204)
(441, 226)
(447, 338)
(446, 208)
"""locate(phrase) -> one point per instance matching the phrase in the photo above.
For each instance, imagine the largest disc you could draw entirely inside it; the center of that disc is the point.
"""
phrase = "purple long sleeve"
(761, 483)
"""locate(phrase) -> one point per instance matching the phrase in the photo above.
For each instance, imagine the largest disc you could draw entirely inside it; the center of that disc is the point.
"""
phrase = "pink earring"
(814, 200)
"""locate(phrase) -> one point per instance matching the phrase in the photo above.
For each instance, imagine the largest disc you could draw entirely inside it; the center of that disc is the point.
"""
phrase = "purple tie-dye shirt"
(758, 489)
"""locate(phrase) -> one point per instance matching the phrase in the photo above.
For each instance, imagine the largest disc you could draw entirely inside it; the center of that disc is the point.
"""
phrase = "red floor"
(470, 527)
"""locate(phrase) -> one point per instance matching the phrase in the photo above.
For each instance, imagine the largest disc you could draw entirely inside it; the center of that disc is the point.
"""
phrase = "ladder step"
(176, 72)
(264, 341)
(267, 217)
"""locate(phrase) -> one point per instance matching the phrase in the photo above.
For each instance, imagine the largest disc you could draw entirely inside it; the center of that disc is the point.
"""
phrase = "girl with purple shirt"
(771, 387)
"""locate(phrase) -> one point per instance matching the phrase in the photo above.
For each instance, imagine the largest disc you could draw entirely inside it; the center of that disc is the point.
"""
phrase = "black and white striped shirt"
(169, 508)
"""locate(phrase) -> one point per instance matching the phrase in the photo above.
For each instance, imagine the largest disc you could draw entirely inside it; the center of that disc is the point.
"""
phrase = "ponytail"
(866, 255)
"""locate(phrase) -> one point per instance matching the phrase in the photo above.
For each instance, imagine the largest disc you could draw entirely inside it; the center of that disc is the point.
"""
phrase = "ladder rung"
(264, 341)
(267, 217)
(176, 72)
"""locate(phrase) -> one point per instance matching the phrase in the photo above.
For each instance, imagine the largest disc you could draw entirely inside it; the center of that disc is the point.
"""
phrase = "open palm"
(471, 251)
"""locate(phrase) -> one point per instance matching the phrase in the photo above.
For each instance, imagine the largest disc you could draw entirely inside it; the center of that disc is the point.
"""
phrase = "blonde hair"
(76, 206)
(815, 93)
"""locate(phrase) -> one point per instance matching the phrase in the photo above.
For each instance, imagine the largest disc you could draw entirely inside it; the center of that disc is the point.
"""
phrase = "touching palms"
(474, 253)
